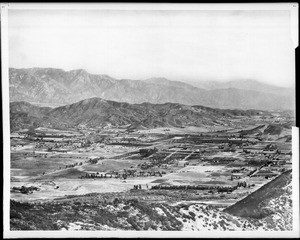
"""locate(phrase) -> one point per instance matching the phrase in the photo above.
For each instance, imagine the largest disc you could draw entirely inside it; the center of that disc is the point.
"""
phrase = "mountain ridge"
(51, 85)
(98, 112)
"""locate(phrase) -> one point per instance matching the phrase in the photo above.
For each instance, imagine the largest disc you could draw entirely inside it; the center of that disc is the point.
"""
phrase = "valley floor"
(161, 179)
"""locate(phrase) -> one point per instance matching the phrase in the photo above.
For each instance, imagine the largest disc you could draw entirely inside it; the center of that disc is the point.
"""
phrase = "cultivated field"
(163, 166)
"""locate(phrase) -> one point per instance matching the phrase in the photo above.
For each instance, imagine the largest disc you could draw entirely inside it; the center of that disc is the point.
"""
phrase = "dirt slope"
(258, 204)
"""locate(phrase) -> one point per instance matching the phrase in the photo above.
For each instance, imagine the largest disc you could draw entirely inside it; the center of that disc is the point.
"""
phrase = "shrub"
(116, 201)
(122, 214)
(132, 222)
(147, 225)
(126, 207)
(192, 214)
(15, 214)
(153, 226)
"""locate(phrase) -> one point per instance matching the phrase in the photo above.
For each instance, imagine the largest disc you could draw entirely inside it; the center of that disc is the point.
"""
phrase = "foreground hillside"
(95, 112)
(272, 198)
(56, 86)
(122, 215)
(90, 214)
(128, 215)
(96, 212)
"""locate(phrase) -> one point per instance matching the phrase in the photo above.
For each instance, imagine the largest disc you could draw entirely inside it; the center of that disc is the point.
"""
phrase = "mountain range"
(50, 86)
(95, 112)
(247, 84)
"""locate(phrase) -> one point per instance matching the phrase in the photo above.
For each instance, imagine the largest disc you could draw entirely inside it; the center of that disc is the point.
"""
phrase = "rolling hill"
(56, 86)
(96, 112)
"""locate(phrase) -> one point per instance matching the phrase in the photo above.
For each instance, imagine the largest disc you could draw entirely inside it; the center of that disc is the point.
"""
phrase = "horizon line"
(234, 79)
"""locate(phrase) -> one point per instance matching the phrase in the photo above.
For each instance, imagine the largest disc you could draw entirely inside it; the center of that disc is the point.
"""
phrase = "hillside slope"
(90, 212)
(261, 203)
(97, 112)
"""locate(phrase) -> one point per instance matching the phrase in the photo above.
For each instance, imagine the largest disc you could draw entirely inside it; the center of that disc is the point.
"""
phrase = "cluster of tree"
(257, 163)
(26, 190)
(95, 160)
(196, 187)
(127, 173)
(96, 175)
(135, 173)
(146, 165)
(139, 186)
(38, 155)
(271, 147)
(222, 160)
(242, 184)
(147, 152)
(272, 156)
(151, 173)
(238, 170)
(226, 189)
(73, 165)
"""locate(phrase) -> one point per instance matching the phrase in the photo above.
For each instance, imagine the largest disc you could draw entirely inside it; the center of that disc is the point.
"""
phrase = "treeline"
(25, 190)
(125, 175)
(217, 188)
(73, 165)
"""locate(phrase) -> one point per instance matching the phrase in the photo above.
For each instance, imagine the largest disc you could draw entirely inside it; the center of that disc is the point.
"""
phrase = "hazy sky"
(179, 45)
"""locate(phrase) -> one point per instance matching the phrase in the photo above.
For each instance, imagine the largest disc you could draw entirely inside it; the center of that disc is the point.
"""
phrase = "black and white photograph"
(149, 120)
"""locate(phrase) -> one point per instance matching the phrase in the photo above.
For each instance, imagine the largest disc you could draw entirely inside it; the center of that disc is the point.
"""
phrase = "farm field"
(168, 166)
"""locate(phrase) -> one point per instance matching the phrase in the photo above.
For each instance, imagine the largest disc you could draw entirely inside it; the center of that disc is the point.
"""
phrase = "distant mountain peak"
(80, 70)
(93, 99)
(56, 86)
(166, 82)
(157, 79)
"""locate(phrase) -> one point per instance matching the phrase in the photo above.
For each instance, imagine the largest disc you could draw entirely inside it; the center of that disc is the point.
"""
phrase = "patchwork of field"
(188, 166)
(116, 164)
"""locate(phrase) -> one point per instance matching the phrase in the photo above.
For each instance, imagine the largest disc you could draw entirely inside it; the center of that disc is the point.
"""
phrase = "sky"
(180, 45)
